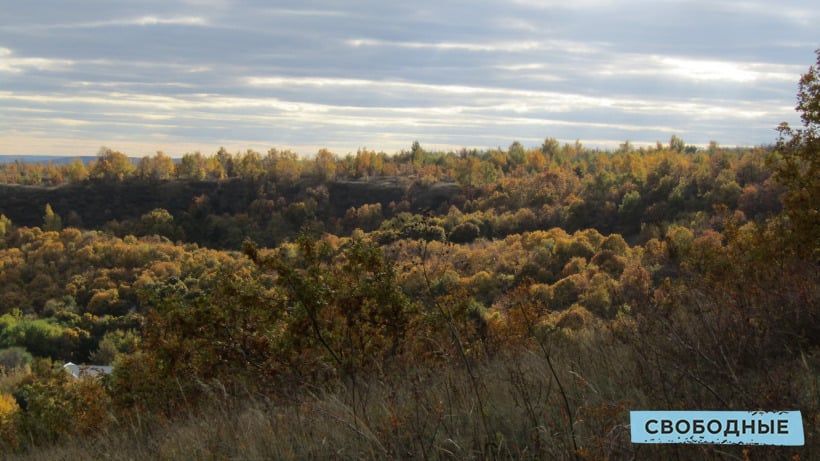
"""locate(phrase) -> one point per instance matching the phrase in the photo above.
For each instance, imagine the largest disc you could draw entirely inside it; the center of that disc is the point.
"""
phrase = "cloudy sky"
(186, 75)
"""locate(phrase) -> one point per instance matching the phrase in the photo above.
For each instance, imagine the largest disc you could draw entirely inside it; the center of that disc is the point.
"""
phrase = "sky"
(192, 75)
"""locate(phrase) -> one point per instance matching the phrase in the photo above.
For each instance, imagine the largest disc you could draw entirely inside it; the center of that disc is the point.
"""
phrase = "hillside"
(511, 304)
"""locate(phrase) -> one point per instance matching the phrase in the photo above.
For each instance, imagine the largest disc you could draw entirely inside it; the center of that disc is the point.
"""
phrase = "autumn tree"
(51, 220)
(226, 162)
(249, 165)
(416, 153)
(354, 311)
(5, 225)
(157, 168)
(676, 144)
(536, 161)
(283, 165)
(797, 165)
(76, 171)
(191, 167)
(159, 222)
(325, 165)
(472, 172)
(111, 165)
(57, 407)
(550, 148)
(517, 153)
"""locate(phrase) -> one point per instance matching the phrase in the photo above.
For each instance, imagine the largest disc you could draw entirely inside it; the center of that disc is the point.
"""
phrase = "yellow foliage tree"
(8, 415)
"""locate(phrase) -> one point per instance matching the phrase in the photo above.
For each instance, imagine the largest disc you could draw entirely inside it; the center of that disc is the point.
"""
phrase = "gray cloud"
(197, 74)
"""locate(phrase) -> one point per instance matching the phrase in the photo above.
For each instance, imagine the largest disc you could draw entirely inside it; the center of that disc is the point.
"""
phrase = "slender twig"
(561, 389)
(447, 314)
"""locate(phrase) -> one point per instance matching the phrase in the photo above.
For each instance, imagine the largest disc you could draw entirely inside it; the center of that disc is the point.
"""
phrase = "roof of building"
(86, 371)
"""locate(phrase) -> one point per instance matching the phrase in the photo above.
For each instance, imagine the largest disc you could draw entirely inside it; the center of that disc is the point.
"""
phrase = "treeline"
(472, 168)
(490, 194)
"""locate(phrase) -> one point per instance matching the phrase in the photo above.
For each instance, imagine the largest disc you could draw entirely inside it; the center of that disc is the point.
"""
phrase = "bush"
(465, 233)
(14, 358)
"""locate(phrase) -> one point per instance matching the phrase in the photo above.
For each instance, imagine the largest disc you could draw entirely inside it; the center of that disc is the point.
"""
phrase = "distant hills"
(57, 159)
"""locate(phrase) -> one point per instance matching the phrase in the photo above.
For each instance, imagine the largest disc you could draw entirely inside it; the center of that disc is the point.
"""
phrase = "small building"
(86, 371)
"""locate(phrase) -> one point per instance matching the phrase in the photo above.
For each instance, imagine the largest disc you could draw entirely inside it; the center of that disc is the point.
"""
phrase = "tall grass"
(507, 405)
(423, 413)
(430, 413)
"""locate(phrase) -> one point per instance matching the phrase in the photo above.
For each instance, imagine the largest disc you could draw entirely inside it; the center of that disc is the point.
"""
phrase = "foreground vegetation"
(471, 305)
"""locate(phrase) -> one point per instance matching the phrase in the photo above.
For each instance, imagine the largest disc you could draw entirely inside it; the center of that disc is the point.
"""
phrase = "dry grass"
(434, 414)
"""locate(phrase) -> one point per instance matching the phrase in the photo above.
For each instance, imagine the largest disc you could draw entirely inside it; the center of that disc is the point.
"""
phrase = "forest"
(509, 303)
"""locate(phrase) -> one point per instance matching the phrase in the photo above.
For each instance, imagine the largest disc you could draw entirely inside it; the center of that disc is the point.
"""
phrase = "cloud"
(153, 21)
(344, 75)
(706, 70)
(797, 12)
(141, 21)
(561, 4)
(303, 12)
(9, 63)
(510, 47)
(501, 99)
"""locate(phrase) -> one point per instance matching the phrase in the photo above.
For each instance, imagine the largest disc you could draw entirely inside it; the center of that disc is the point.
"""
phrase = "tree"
(111, 165)
(325, 164)
(416, 153)
(536, 161)
(797, 164)
(354, 313)
(469, 172)
(465, 233)
(249, 165)
(5, 226)
(13, 358)
(516, 153)
(550, 148)
(191, 167)
(226, 160)
(76, 171)
(157, 168)
(282, 165)
(163, 166)
(159, 222)
(51, 220)
(676, 144)
(57, 407)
